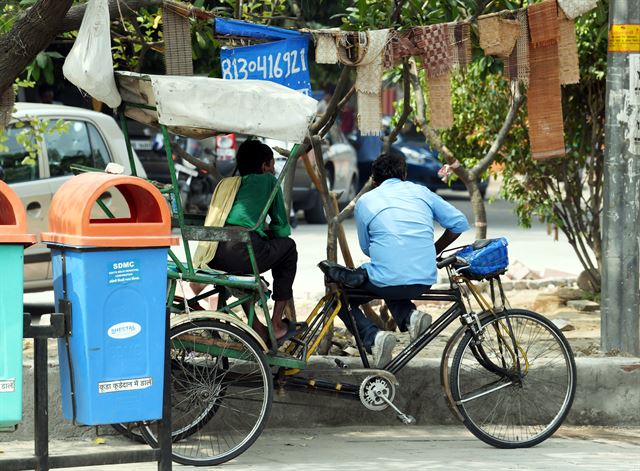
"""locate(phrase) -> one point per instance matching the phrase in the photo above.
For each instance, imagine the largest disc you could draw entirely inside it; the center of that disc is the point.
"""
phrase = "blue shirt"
(395, 229)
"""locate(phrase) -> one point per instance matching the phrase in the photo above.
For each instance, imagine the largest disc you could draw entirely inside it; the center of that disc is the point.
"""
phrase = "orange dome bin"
(70, 222)
(13, 219)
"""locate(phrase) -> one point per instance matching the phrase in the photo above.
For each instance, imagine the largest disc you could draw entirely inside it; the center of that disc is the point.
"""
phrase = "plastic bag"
(484, 258)
(89, 65)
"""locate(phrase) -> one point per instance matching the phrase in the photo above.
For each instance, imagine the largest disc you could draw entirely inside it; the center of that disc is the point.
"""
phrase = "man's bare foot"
(278, 330)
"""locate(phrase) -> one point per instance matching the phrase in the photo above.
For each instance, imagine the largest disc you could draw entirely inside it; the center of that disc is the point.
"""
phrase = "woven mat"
(546, 132)
(326, 49)
(177, 43)
(497, 35)
(543, 23)
(459, 44)
(398, 47)
(575, 8)
(568, 52)
(369, 114)
(369, 76)
(516, 67)
(432, 43)
(369, 83)
(440, 111)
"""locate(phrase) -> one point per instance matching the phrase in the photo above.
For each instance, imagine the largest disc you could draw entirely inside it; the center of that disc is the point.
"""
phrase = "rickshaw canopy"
(201, 106)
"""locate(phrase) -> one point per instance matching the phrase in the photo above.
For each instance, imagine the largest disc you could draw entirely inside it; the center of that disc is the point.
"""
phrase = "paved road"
(532, 247)
(403, 448)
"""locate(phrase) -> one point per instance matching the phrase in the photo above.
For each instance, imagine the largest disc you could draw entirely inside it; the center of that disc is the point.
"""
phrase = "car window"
(99, 153)
(15, 163)
(81, 145)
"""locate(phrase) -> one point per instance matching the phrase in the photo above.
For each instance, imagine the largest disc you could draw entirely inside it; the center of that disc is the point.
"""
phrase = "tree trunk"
(30, 34)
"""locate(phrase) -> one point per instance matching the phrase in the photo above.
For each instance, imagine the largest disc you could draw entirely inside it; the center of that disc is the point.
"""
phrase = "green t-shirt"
(250, 201)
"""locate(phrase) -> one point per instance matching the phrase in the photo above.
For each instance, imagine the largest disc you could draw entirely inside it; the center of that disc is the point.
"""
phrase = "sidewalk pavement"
(607, 394)
(395, 448)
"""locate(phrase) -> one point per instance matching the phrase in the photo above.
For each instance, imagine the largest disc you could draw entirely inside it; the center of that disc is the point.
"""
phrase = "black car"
(422, 162)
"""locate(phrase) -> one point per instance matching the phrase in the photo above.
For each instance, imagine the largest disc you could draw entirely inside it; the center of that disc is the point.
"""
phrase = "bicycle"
(508, 374)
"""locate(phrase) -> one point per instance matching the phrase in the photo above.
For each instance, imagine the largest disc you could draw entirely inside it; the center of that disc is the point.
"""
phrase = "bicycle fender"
(218, 316)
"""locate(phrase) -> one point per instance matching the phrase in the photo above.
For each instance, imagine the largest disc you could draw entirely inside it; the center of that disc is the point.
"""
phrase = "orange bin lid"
(13, 219)
(70, 222)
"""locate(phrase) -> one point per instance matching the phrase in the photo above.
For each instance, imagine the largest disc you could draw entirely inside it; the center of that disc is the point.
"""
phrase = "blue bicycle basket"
(484, 258)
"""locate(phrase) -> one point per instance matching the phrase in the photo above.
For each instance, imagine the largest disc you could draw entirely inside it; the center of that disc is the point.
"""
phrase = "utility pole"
(621, 218)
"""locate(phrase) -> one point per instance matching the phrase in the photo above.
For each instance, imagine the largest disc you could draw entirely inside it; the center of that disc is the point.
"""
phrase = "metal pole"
(621, 220)
(41, 402)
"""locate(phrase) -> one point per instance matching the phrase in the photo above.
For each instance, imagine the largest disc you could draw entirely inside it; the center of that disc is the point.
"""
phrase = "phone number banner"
(283, 61)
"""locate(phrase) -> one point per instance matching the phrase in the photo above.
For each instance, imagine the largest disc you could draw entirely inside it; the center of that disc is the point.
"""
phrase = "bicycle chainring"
(371, 390)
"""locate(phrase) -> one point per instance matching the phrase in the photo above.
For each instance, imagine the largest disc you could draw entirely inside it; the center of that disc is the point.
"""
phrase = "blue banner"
(252, 30)
(284, 62)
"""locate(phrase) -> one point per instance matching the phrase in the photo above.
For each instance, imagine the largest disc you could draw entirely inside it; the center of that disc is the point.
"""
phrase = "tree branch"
(211, 169)
(73, 18)
(406, 107)
(490, 156)
(332, 106)
(30, 34)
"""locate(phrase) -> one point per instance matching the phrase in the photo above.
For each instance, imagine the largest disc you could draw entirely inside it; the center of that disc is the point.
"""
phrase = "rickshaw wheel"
(221, 393)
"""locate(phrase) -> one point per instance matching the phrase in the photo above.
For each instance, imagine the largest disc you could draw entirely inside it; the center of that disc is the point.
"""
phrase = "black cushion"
(349, 277)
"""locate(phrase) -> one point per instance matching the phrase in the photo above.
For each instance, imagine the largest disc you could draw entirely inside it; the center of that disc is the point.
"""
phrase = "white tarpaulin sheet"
(252, 107)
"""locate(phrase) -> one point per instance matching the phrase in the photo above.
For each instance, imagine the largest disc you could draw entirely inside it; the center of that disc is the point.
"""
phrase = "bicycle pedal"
(406, 419)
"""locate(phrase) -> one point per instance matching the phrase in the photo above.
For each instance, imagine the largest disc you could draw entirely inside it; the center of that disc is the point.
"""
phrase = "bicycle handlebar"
(447, 261)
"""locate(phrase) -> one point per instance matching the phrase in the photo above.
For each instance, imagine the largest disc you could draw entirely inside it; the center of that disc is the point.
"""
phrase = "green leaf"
(41, 60)
(202, 42)
(48, 74)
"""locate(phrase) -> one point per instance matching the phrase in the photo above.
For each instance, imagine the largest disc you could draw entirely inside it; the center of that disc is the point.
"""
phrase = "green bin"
(13, 239)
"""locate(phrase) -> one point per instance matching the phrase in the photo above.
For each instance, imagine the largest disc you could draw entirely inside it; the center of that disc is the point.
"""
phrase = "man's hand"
(445, 240)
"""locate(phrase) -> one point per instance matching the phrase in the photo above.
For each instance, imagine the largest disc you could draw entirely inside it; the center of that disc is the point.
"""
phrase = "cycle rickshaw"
(507, 374)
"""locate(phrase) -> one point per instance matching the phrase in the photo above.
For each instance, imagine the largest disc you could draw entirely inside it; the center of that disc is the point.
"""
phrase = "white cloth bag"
(89, 65)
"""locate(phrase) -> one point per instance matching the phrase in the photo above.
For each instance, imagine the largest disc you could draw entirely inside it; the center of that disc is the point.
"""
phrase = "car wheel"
(315, 214)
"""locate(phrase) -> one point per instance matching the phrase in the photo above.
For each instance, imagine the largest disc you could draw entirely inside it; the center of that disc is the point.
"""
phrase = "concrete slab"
(397, 448)
(608, 393)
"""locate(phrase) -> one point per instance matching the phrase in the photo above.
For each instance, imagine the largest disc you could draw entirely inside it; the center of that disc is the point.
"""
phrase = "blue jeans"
(397, 298)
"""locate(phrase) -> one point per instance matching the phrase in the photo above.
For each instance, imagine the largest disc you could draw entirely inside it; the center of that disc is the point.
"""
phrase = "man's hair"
(388, 166)
(251, 155)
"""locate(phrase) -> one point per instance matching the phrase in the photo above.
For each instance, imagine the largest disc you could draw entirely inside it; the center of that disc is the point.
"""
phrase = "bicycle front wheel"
(514, 383)
(221, 393)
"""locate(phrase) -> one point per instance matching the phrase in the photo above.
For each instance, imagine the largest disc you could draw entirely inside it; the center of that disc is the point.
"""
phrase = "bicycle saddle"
(349, 277)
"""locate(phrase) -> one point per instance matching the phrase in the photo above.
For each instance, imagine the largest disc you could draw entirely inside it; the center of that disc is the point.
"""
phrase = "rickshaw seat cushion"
(347, 277)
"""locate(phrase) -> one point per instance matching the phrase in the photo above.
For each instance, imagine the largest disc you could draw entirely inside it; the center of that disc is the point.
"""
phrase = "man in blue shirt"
(395, 229)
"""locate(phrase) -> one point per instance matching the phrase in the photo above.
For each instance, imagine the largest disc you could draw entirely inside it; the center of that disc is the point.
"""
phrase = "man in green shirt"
(274, 249)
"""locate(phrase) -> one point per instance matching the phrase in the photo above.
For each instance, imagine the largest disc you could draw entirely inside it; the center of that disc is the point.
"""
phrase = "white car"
(93, 140)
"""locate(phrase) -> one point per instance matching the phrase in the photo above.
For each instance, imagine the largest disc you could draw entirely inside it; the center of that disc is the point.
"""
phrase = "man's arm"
(445, 240)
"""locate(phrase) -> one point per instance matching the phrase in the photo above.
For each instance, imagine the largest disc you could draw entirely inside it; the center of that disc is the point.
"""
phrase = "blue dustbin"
(13, 239)
(113, 272)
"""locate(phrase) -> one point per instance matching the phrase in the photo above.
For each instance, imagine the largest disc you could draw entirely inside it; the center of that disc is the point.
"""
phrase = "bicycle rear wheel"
(513, 391)
(221, 393)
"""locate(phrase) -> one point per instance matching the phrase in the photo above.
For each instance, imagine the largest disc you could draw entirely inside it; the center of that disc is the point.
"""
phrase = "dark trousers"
(278, 255)
(397, 298)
